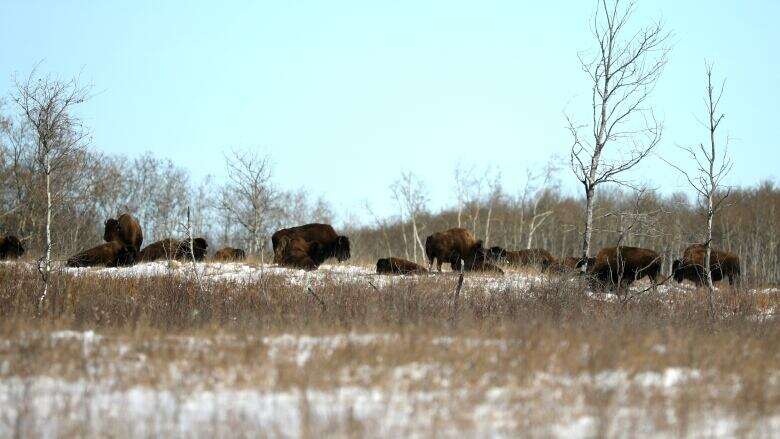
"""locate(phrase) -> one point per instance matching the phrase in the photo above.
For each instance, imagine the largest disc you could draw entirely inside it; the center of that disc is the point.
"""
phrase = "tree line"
(56, 190)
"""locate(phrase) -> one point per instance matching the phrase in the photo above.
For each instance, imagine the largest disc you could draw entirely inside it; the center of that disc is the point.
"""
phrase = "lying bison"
(398, 266)
(296, 252)
(111, 254)
(168, 249)
(450, 246)
(691, 266)
(11, 248)
(124, 229)
(328, 243)
(522, 258)
(229, 254)
(571, 263)
(616, 266)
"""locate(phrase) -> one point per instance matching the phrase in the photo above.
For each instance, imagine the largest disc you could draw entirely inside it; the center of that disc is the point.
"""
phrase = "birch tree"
(622, 129)
(409, 193)
(712, 167)
(47, 104)
(249, 197)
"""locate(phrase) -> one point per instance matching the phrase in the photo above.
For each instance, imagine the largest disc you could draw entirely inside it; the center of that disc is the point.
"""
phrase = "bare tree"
(47, 104)
(249, 197)
(711, 168)
(409, 193)
(536, 194)
(622, 73)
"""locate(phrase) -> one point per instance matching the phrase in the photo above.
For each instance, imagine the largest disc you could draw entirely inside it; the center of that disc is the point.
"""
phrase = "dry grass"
(520, 353)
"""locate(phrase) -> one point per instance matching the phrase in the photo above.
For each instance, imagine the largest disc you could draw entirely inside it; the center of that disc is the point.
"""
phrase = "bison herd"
(308, 246)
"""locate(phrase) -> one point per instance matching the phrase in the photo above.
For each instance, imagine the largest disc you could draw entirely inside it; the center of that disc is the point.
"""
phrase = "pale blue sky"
(345, 95)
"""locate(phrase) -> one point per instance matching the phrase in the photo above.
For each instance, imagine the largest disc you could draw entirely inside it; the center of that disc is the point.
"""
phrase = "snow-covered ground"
(416, 399)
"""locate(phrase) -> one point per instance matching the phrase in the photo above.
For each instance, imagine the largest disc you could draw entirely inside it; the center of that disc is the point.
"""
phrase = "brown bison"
(571, 263)
(168, 249)
(691, 266)
(398, 266)
(478, 260)
(165, 249)
(615, 266)
(111, 254)
(11, 248)
(450, 246)
(329, 244)
(229, 254)
(522, 258)
(296, 252)
(124, 229)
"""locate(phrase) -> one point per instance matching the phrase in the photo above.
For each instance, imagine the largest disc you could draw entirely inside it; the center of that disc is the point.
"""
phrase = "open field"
(235, 349)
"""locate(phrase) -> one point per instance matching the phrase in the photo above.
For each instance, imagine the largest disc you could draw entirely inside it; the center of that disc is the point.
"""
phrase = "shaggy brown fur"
(165, 249)
(168, 249)
(11, 248)
(623, 265)
(111, 254)
(450, 246)
(398, 266)
(570, 263)
(228, 254)
(691, 266)
(124, 229)
(329, 243)
(478, 260)
(295, 252)
(522, 258)
(184, 252)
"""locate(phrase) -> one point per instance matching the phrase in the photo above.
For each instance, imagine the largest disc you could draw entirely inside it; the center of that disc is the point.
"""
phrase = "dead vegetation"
(658, 362)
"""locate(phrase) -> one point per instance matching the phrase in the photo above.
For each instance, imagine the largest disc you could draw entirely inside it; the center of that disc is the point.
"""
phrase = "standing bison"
(398, 266)
(229, 254)
(328, 243)
(616, 266)
(110, 254)
(450, 246)
(11, 248)
(691, 266)
(124, 229)
(522, 258)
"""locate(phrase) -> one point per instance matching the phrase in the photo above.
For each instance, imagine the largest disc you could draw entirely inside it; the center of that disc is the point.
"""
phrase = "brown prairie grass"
(171, 332)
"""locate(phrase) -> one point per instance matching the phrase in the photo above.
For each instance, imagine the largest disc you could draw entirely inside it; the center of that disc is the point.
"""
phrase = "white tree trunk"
(417, 238)
(588, 232)
(46, 268)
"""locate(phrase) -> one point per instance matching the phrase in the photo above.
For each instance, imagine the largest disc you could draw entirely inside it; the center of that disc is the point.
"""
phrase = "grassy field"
(247, 350)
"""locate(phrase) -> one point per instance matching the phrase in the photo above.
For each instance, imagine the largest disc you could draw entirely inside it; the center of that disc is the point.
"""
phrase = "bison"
(296, 252)
(571, 263)
(229, 254)
(165, 249)
(124, 229)
(168, 249)
(450, 246)
(478, 260)
(329, 243)
(11, 248)
(617, 266)
(111, 254)
(522, 258)
(691, 266)
(398, 266)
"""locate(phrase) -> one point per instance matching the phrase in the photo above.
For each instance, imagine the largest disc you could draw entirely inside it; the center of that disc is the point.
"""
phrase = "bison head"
(383, 265)
(342, 248)
(111, 231)
(11, 247)
(197, 250)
